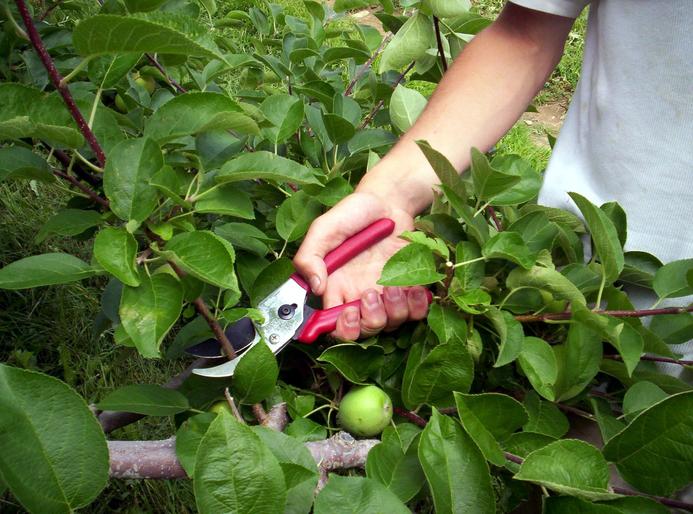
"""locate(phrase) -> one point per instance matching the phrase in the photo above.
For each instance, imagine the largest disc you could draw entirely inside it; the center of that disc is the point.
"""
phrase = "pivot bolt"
(274, 339)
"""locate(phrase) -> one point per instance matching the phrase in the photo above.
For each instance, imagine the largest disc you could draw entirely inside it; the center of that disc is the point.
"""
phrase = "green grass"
(519, 141)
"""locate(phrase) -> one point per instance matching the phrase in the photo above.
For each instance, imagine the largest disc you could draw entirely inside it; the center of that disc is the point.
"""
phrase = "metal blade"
(240, 334)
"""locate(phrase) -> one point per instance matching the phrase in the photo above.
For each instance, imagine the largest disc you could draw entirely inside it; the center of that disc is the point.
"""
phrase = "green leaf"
(448, 8)
(447, 174)
(256, 374)
(670, 280)
(205, 256)
(270, 278)
(354, 361)
(536, 230)
(197, 112)
(641, 396)
(245, 237)
(339, 129)
(298, 466)
(477, 226)
(148, 312)
(569, 467)
(44, 270)
(528, 186)
(115, 249)
(412, 265)
(370, 139)
(655, 452)
(639, 269)
(396, 467)
(609, 425)
(474, 301)
(226, 200)
(236, 472)
(405, 107)
(147, 399)
(410, 43)
(489, 181)
(486, 442)
(68, 222)
(134, 6)
(622, 335)
(500, 414)
(189, 436)
(431, 376)
(538, 362)
(578, 360)
(447, 453)
(606, 242)
(544, 417)
(511, 247)
(447, 323)
(158, 32)
(130, 166)
(18, 163)
(470, 275)
(265, 165)
(50, 439)
(522, 444)
(295, 215)
(28, 112)
(510, 333)
(545, 278)
(627, 505)
(285, 112)
(618, 217)
(346, 495)
(673, 328)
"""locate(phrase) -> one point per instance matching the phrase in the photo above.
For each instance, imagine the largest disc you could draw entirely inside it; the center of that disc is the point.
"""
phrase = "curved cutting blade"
(240, 334)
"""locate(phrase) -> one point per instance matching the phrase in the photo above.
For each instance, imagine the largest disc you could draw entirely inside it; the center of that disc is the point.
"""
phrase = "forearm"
(480, 98)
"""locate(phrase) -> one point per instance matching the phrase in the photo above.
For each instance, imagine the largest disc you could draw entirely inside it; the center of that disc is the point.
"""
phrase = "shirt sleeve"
(568, 8)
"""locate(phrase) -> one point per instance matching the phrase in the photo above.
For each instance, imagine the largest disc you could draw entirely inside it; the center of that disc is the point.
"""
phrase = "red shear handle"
(353, 246)
(323, 322)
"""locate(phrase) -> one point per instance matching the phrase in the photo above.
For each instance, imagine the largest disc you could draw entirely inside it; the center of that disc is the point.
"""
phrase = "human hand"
(357, 278)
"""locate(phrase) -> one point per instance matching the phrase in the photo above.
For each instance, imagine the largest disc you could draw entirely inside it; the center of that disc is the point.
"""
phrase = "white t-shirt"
(628, 134)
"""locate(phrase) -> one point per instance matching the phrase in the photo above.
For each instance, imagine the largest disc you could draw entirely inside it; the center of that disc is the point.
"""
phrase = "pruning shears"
(287, 316)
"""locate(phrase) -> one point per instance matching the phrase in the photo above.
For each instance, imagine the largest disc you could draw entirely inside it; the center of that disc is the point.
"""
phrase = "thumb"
(352, 214)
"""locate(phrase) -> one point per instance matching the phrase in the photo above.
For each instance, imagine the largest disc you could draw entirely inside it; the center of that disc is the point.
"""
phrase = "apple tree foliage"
(199, 164)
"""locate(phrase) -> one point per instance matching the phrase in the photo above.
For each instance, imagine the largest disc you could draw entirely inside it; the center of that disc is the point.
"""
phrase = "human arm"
(479, 99)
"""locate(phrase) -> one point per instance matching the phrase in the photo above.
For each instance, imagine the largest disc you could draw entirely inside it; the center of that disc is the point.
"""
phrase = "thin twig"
(163, 71)
(530, 318)
(259, 413)
(232, 406)
(66, 161)
(85, 189)
(411, 416)
(494, 217)
(379, 105)
(439, 41)
(57, 81)
(50, 9)
(367, 65)
(653, 358)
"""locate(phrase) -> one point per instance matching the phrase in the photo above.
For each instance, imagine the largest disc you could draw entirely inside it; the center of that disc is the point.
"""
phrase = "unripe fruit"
(120, 104)
(147, 83)
(219, 407)
(365, 411)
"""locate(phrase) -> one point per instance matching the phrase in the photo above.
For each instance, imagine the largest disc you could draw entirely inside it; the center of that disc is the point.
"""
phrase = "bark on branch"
(158, 460)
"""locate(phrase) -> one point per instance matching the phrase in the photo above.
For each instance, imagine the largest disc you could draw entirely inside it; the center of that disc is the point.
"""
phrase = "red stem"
(159, 67)
(494, 217)
(653, 358)
(57, 79)
(439, 41)
(86, 190)
(529, 318)
(411, 416)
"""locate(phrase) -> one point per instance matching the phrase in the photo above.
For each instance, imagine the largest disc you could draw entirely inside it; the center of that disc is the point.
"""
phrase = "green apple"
(365, 411)
(120, 104)
(219, 407)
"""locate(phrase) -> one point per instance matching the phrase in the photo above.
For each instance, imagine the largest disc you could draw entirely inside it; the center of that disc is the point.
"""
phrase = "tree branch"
(111, 420)
(532, 318)
(163, 71)
(411, 416)
(439, 41)
(86, 190)
(367, 65)
(379, 105)
(158, 460)
(653, 358)
(57, 81)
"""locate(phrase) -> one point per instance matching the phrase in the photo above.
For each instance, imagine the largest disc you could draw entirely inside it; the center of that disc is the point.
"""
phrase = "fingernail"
(371, 299)
(393, 293)
(314, 283)
(351, 316)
